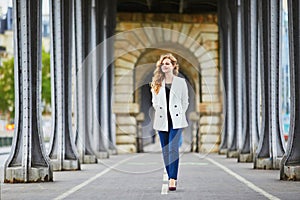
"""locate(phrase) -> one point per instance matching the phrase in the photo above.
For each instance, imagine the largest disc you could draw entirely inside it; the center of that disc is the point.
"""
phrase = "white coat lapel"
(173, 88)
(163, 92)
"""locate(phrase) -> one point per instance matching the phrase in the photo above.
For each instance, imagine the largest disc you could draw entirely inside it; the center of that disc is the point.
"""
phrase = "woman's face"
(167, 66)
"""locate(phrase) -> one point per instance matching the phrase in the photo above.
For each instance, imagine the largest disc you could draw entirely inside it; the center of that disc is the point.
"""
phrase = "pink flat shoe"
(173, 188)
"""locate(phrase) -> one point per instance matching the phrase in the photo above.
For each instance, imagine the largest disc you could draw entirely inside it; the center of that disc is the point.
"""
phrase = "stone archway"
(144, 68)
(195, 42)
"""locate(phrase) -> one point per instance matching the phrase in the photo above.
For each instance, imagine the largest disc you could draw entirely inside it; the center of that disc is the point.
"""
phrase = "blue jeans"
(170, 142)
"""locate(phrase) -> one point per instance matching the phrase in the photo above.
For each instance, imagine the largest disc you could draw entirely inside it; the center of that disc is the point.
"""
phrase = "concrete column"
(290, 164)
(94, 58)
(27, 161)
(239, 79)
(224, 45)
(112, 13)
(82, 44)
(250, 40)
(271, 143)
(100, 79)
(62, 151)
(103, 15)
(232, 150)
(253, 64)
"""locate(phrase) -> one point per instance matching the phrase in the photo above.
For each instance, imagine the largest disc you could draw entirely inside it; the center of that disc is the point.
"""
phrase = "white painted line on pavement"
(78, 187)
(243, 180)
(164, 189)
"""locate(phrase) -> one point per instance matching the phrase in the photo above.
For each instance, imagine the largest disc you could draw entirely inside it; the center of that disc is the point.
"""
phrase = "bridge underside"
(229, 51)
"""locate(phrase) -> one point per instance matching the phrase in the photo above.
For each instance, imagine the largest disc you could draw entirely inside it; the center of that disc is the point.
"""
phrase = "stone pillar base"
(232, 154)
(291, 173)
(89, 159)
(223, 151)
(267, 163)
(245, 158)
(102, 154)
(16, 175)
(113, 152)
(263, 163)
(67, 165)
(277, 163)
(126, 148)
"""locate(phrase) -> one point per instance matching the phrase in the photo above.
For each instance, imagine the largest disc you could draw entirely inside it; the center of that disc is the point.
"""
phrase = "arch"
(144, 68)
(196, 44)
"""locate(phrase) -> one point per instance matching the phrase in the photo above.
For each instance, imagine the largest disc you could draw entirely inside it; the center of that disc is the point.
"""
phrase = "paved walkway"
(142, 176)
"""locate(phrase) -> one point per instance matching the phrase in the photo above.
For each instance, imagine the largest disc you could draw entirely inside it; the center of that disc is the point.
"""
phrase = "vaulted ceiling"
(168, 6)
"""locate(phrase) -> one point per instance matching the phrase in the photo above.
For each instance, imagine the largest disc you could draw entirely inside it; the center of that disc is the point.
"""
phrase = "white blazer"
(178, 104)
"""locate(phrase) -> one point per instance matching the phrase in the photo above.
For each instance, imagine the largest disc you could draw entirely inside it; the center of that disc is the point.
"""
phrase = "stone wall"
(196, 40)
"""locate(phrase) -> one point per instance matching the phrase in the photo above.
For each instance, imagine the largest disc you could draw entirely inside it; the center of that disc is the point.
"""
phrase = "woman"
(170, 102)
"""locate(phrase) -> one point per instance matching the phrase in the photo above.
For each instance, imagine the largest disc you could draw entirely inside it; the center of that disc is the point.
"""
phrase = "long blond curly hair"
(158, 75)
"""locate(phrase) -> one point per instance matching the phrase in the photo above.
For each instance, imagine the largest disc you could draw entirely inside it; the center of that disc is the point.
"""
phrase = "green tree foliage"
(46, 78)
(7, 84)
(7, 94)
